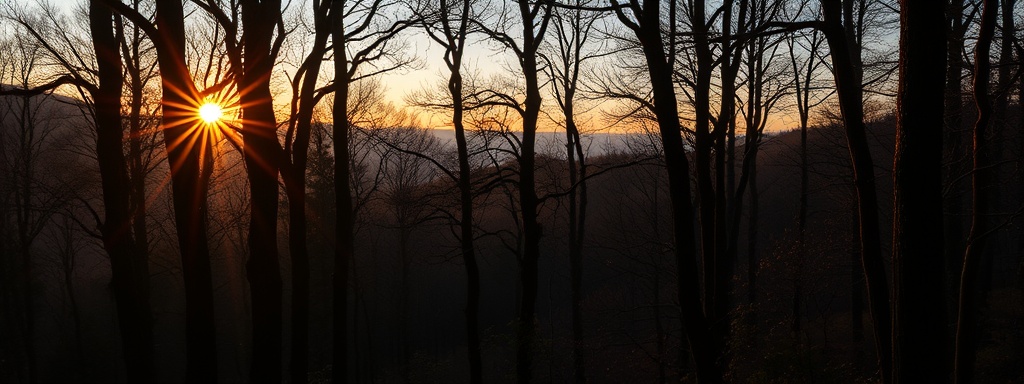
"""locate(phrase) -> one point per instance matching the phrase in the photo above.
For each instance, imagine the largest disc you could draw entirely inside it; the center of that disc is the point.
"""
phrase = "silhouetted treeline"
(576, 190)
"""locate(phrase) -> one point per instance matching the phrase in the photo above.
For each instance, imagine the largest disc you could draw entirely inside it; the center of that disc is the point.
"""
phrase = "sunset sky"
(484, 59)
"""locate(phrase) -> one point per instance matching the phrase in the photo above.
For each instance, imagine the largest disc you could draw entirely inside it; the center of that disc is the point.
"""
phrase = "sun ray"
(177, 145)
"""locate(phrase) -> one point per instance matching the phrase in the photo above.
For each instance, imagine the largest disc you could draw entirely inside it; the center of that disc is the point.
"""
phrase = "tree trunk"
(466, 239)
(25, 211)
(702, 153)
(137, 166)
(803, 106)
(753, 258)
(966, 340)
(577, 220)
(848, 87)
(728, 201)
(955, 148)
(294, 175)
(262, 155)
(528, 201)
(344, 230)
(454, 41)
(130, 287)
(186, 147)
(465, 183)
(406, 291)
(856, 284)
(919, 325)
(659, 329)
(1001, 138)
(68, 255)
(694, 324)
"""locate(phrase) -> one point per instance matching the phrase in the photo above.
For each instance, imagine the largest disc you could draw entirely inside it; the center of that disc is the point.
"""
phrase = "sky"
(483, 58)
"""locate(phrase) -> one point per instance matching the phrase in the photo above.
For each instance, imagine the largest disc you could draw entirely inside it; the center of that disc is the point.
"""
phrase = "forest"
(435, 191)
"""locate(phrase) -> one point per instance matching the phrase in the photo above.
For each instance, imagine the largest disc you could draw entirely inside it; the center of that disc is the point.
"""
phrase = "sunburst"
(208, 122)
(211, 113)
(216, 117)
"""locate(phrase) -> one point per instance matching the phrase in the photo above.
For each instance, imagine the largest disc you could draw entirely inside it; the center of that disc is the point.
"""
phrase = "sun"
(210, 113)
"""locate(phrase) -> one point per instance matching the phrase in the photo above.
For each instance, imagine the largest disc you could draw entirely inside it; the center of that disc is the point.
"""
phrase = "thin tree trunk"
(856, 283)
(295, 186)
(30, 317)
(801, 240)
(577, 220)
(466, 223)
(344, 230)
(803, 105)
(406, 290)
(1020, 178)
(528, 201)
(68, 260)
(129, 285)
(999, 140)
(694, 324)
(659, 328)
(136, 165)
(851, 105)
(728, 201)
(572, 31)
(294, 175)
(966, 339)
(753, 258)
(956, 149)
(454, 41)
(704, 141)
(7, 320)
(1020, 186)
(24, 212)
(468, 251)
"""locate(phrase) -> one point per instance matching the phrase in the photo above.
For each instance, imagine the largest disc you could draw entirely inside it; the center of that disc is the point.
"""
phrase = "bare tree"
(364, 45)
(262, 159)
(293, 172)
(103, 93)
(455, 19)
(645, 22)
(573, 29)
(803, 76)
(25, 130)
(130, 273)
(533, 21)
(839, 28)
(190, 158)
(140, 70)
(252, 48)
(766, 85)
(726, 202)
(982, 176)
